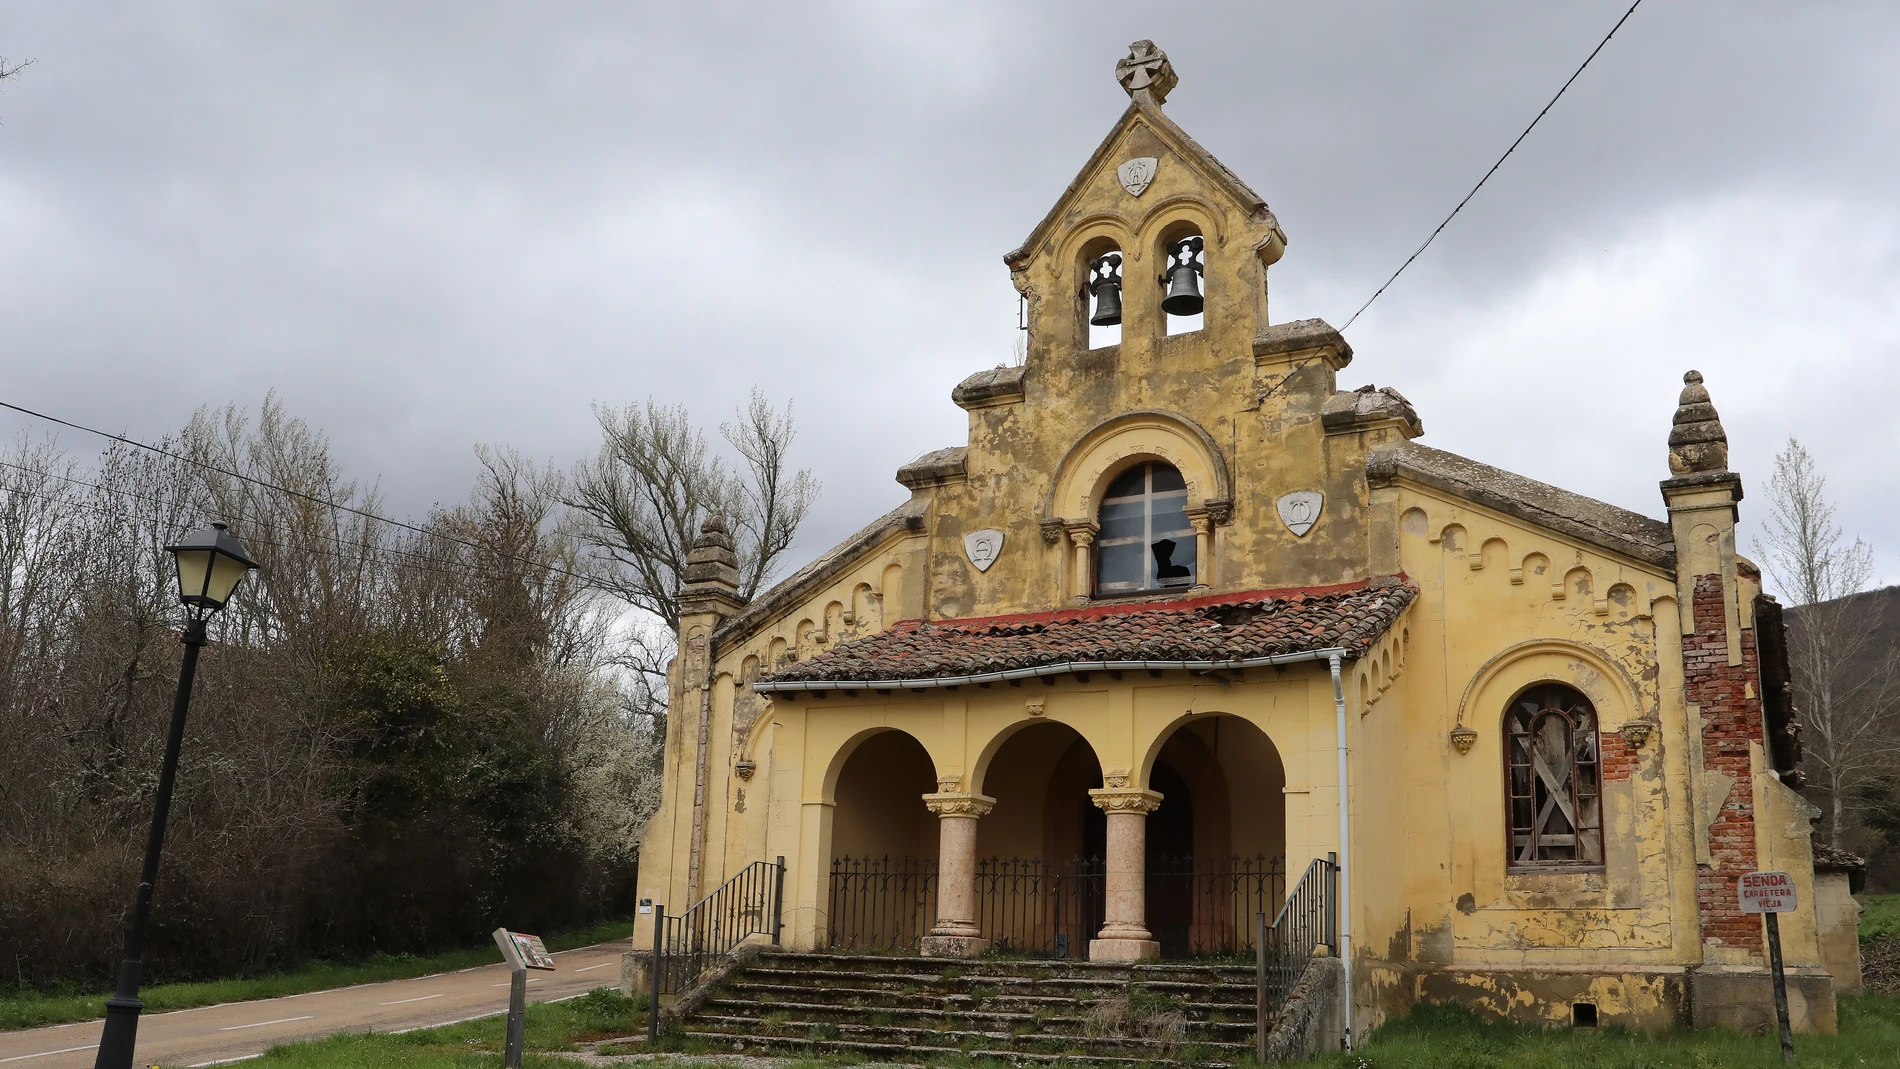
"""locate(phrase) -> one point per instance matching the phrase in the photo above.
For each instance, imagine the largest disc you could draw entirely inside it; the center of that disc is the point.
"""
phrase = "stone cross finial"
(1146, 73)
(1697, 442)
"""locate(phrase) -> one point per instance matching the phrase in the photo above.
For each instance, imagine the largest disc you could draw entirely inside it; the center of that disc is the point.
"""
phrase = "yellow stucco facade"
(1513, 586)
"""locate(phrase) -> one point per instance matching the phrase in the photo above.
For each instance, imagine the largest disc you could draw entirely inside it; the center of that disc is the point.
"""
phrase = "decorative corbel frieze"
(1463, 738)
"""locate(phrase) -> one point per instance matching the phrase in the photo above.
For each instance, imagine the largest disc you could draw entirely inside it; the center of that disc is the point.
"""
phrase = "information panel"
(1766, 892)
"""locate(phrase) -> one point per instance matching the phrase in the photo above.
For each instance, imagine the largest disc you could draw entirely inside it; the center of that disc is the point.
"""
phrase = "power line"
(251, 524)
(1495, 166)
(312, 498)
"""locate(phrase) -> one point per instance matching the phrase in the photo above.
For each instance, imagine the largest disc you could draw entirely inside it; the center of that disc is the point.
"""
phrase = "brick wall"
(1733, 721)
(1619, 757)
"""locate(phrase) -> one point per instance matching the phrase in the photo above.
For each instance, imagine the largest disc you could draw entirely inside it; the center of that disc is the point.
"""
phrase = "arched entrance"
(883, 845)
(1038, 875)
(1216, 846)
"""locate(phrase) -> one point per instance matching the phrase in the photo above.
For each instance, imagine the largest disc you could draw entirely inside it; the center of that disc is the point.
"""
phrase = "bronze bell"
(1183, 278)
(1105, 281)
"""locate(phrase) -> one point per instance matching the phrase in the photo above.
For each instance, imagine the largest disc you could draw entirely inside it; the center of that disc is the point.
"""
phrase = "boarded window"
(1146, 541)
(1553, 776)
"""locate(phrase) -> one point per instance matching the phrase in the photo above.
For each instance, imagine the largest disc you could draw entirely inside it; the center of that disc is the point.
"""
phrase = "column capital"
(1082, 534)
(1125, 800)
(959, 804)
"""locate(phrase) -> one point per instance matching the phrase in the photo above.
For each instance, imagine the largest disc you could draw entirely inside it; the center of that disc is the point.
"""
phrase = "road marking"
(402, 1001)
(260, 1024)
(47, 1053)
(531, 979)
(226, 1061)
(602, 965)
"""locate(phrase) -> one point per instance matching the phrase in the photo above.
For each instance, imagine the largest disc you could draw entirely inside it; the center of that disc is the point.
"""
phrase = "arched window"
(1146, 541)
(1552, 773)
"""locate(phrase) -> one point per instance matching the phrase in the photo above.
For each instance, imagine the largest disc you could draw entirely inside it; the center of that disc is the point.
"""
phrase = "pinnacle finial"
(1146, 73)
(1697, 442)
(712, 567)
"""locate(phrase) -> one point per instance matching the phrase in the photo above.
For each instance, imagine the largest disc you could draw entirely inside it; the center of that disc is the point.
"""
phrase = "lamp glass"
(226, 573)
(194, 576)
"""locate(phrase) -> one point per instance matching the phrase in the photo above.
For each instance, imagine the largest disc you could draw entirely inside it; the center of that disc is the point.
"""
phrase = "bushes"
(397, 740)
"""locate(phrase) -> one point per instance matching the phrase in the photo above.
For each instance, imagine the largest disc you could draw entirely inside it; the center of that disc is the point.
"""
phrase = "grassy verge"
(1450, 1037)
(1881, 917)
(31, 1008)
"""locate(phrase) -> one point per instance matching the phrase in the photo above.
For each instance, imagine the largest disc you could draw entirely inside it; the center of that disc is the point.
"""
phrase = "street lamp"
(211, 564)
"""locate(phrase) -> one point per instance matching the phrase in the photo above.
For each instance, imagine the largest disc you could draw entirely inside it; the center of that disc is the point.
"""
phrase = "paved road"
(244, 1029)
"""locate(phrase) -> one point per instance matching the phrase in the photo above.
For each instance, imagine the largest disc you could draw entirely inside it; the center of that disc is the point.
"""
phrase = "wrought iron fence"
(1305, 923)
(882, 903)
(686, 945)
(1196, 907)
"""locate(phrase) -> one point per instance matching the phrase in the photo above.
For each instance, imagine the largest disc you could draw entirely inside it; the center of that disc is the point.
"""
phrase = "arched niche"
(1115, 443)
(1608, 686)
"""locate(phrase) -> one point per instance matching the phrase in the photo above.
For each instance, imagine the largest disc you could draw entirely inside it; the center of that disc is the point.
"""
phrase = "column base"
(954, 946)
(1124, 950)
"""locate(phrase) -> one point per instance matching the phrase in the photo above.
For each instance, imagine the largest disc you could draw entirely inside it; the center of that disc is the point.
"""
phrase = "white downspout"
(1345, 846)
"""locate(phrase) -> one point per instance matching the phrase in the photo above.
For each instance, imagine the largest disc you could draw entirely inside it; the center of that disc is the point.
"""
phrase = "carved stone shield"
(1299, 510)
(1137, 173)
(983, 547)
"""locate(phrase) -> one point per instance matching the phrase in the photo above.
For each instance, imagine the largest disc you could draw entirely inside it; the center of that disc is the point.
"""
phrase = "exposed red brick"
(1619, 757)
(1732, 720)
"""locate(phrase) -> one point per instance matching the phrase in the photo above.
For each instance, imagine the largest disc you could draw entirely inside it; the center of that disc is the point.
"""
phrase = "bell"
(1108, 304)
(1184, 292)
(1184, 281)
(1105, 281)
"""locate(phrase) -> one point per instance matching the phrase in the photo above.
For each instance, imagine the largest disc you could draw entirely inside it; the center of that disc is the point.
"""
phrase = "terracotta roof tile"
(1218, 628)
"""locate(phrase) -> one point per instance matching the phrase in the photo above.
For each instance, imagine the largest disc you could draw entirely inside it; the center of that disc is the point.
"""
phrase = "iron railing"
(685, 946)
(1308, 921)
(882, 903)
(1196, 907)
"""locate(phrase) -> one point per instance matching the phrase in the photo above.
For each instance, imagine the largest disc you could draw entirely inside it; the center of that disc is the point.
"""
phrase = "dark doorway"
(1170, 884)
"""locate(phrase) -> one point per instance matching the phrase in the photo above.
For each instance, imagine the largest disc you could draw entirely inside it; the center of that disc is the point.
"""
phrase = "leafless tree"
(655, 480)
(1846, 667)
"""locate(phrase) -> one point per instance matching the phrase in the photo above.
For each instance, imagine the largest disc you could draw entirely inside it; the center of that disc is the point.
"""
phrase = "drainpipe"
(1345, 845)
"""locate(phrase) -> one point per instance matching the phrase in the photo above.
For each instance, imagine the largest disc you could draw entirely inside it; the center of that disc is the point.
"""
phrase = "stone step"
(1001, 966)
(904, 1053)
(794, 977)
(802, 1015)
(769, 999)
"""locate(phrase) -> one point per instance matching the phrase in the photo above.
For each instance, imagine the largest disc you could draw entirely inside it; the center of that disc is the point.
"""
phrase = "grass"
(551, 1026)
(1882, 917)
(1451, 1037)
(31, 1008)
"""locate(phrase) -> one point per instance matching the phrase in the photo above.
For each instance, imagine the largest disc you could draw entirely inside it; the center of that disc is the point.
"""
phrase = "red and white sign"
(1766, 892)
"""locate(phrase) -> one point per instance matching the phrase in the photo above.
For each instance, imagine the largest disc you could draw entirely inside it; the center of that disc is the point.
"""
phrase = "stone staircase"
(914, 1009)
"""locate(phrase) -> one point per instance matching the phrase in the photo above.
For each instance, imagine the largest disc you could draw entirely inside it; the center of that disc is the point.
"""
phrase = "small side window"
(1553, 776)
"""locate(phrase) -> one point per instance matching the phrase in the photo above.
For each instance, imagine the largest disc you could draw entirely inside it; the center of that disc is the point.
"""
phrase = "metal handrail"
(1283, 950)
(686, 945)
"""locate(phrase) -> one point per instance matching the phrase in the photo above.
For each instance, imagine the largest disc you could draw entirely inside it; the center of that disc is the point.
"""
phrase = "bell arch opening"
(1183, 254)
(1100, 294)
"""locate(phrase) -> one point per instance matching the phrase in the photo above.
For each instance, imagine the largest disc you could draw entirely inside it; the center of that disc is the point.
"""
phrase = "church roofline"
(1588, 520)
(803, 583)
(1189, 148)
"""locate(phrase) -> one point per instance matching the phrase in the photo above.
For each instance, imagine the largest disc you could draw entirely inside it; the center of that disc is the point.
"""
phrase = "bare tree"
(655, 480)
(1846, 669)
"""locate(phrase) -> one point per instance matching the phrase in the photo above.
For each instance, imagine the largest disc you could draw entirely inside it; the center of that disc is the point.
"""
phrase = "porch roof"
(1205, 633)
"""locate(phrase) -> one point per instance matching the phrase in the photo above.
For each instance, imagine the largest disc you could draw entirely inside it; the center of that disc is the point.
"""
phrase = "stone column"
(1124, 935)
(1083, 535)
(955, 934)
(1203, 548)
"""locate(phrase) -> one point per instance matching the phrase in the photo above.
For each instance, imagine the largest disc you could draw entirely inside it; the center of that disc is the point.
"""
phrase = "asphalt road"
(237, 1030)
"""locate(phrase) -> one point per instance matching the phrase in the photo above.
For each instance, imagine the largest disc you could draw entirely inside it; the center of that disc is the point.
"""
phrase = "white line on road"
(260, 1024)
(226, 1061)
(531, 979)
(403, 1001)
(602, 965)
(47, 1053)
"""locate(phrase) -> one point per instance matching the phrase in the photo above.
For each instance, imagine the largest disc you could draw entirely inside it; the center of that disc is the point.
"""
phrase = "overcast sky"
(427, 225)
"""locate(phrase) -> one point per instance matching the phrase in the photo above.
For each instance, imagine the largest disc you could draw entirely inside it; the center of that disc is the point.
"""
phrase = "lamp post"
(211, 563)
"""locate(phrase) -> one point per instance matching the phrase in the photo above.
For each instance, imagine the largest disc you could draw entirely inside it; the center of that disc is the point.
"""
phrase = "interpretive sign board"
(1766, 892)
(534, 953)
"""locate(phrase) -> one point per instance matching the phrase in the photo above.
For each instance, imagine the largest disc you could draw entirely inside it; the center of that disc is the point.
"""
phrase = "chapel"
(1187, 647)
